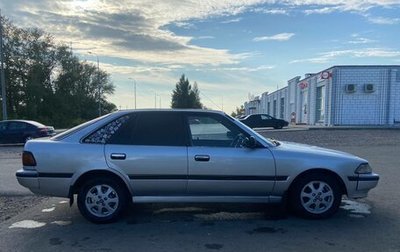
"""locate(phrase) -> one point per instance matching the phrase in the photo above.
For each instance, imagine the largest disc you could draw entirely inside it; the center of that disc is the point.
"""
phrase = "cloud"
(235, 20)
(327, 57)
(325, 10)
(384, 20)
(271, 11)
(355, 6)
(240, 69)
(205, 37)
(141, 30)
(277, 37)
(358, 39)
(361, 41)
(138, 31)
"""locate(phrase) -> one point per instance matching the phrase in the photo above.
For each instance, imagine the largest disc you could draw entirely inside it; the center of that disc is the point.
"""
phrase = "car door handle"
(118, 156)
(202, 158)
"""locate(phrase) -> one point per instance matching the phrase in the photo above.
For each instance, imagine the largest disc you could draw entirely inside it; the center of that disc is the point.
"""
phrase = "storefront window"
(320, 108)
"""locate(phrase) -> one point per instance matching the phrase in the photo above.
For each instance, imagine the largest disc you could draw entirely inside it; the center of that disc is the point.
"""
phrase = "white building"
(340, 95)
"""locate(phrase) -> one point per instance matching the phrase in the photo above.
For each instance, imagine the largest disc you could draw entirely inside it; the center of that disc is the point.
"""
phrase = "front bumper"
(364, 183)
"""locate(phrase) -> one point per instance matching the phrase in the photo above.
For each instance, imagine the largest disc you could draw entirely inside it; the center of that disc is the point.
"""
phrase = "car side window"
(3, 126)
(152, 129)
(213, 132)
(102, 135)
(265, 117)
(16, 126)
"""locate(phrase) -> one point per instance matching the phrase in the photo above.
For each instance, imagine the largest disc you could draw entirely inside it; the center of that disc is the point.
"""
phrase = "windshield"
(251, 131)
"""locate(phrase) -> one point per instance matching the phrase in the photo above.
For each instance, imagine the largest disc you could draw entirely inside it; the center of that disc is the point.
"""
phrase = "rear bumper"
(28, 179)
(364, 183)
(45, 183)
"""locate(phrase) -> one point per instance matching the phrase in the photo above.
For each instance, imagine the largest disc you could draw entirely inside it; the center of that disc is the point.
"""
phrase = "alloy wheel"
(317, 197)
(101, 200)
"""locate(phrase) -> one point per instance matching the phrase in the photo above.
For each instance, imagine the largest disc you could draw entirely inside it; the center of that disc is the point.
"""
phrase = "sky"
(233, 49)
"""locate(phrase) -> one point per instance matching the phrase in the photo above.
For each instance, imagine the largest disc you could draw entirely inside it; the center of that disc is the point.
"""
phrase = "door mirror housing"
(250, 142)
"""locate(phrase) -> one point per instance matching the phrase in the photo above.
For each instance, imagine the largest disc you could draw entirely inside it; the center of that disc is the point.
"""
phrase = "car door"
(151, 148)
(266, 121)
(15, 132)
(219, 164)
(254, 121)
(3, 131)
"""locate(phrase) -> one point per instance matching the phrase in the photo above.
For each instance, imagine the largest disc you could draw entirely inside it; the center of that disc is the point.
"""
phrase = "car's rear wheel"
(316, 196)
(101, 200)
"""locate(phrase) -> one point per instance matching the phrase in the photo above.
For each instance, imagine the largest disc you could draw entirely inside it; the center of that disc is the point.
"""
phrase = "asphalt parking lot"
(371, 224)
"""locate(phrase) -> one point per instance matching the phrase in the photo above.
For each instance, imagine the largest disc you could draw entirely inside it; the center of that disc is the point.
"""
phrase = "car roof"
(26, 121)
(128, 111)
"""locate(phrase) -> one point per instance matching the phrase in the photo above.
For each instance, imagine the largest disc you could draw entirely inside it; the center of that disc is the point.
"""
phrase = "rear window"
(77, 128)
(102, 135)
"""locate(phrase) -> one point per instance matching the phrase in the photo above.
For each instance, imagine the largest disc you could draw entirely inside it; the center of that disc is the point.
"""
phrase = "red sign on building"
(303, 85)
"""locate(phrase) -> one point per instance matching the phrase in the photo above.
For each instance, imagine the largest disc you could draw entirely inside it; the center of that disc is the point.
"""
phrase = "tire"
(315, 196)
(102, 200)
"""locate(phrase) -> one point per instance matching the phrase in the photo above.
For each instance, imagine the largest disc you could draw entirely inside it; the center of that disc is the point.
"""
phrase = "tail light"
(28, 159)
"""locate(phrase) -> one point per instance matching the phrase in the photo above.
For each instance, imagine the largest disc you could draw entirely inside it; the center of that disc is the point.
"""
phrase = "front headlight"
(363, 169)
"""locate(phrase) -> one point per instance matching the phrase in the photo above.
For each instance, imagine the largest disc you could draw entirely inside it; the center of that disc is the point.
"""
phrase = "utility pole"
(155, 100)
(3, 80)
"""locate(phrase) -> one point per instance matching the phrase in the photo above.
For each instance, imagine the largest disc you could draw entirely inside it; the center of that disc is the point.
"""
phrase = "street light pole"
(3, 81)
(98, 81)
(134, 89)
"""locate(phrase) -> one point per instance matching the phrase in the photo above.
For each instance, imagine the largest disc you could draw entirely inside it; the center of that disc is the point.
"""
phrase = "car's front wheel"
(316, 196)
(101, 200)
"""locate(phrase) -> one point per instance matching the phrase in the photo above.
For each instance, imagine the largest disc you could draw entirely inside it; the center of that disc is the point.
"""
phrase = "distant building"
(340, 95)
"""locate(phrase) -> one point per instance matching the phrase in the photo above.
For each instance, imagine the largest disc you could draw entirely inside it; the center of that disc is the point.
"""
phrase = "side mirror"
(250, 142)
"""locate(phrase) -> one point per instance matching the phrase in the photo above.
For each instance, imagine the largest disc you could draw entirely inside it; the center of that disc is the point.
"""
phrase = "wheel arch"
(96, 173)
(327, 172)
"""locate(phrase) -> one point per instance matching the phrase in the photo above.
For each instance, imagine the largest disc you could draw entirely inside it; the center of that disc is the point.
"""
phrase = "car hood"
(316, 151)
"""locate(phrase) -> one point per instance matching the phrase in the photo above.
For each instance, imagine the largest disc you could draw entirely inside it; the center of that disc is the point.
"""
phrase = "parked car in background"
(148, 156)
(263, 121)
(20, 131)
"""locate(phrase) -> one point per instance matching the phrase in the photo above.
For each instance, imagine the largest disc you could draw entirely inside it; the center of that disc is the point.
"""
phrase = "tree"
(239, 111)
(184, 96)
(46, 82)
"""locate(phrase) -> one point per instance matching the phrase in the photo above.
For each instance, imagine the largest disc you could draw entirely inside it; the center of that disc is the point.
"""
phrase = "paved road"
(372, 224)
(10, 162)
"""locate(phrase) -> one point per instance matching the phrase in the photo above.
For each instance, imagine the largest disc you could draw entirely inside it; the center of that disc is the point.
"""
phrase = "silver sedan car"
(187, 156)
